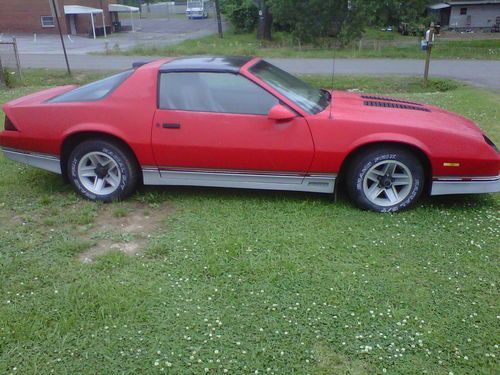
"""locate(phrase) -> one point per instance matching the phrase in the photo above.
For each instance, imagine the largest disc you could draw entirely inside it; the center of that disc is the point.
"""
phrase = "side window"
(463, 11)
(214, 92)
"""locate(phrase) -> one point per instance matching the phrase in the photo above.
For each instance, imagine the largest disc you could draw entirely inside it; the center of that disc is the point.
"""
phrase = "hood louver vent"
(394, 100)
(394, 105)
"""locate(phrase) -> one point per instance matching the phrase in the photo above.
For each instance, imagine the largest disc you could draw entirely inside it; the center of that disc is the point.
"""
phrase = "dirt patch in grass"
(124, 227)
(331, 362)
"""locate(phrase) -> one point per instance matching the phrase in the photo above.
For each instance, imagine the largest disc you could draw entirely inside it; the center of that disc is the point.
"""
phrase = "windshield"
(305, 96)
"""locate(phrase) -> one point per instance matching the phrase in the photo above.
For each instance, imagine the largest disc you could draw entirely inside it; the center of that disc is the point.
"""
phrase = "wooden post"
(430, 39)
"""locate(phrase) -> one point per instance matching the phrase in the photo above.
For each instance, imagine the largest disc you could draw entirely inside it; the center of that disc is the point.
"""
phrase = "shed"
(467, 14)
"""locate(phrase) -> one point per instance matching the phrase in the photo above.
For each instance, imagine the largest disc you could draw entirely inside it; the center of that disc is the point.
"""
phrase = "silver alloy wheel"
(387, 183)
(99, 173)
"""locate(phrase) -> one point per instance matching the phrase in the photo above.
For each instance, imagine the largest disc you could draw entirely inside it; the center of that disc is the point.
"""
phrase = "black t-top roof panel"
(228, 64)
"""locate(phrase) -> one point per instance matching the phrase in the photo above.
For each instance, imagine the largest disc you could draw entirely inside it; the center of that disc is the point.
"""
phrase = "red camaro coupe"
(244, 123)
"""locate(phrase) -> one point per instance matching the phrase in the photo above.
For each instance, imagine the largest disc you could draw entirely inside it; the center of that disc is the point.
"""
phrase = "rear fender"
(93, 128)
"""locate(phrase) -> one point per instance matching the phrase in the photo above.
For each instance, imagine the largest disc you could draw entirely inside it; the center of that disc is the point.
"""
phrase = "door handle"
(171, 126)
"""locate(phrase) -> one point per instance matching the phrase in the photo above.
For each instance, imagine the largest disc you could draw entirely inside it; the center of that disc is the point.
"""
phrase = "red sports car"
(244, 123)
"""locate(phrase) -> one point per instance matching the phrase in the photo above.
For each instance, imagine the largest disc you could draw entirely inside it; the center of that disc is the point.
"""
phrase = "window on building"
(463, 11)
(47, 21)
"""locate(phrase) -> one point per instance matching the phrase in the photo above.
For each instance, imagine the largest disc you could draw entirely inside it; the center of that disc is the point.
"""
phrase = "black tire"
(119, 161)
(397, 190)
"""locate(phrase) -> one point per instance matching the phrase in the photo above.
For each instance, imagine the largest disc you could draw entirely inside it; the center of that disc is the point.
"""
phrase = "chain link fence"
(9, 60)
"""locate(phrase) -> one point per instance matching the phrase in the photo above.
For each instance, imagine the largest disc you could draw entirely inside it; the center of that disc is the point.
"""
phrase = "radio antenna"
(333, 81)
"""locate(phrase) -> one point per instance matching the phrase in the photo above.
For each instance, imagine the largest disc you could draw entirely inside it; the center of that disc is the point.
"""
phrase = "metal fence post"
(18, 60)
(2, 76)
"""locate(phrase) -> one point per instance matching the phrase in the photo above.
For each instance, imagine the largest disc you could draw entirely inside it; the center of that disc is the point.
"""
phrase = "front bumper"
(465, 185)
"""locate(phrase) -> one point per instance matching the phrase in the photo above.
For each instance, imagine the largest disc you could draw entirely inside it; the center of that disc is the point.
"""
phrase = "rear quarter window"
(93, 91)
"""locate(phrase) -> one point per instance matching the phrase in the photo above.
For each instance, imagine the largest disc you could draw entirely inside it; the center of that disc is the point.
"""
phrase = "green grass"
(375, 33)
(35, 78)
(284, 46)
(274, 282)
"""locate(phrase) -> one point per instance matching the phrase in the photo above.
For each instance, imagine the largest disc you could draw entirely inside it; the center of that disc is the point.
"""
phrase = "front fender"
(389, 138)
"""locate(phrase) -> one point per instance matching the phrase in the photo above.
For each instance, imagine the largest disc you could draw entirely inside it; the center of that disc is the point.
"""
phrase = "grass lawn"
(283, 46)
(248, 282)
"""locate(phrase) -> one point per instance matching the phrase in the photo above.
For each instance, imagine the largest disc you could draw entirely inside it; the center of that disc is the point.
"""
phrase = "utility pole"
(56, 16)
(265, 20)
(219, 19)
(429, 37)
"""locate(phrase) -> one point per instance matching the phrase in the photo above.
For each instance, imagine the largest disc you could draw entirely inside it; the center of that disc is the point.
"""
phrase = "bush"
(12, 79)
(242, 14)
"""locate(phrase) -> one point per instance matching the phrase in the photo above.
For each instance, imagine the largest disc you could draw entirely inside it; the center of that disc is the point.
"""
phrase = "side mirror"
(281, 113)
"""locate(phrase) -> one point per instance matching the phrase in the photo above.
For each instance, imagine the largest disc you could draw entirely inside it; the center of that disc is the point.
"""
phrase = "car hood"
(393, 112)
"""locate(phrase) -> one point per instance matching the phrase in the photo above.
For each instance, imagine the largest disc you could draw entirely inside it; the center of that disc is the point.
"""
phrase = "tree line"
(310, 20)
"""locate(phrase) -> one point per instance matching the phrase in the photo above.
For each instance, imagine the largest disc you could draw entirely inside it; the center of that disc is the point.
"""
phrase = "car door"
(212, 121)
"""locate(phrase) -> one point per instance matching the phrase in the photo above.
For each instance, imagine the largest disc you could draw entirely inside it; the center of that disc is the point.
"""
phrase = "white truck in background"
(197, 9)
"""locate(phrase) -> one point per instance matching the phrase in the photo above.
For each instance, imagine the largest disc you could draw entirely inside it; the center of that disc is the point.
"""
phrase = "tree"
(246, 15)
(393, 12)
(265, 20)
(311, 20)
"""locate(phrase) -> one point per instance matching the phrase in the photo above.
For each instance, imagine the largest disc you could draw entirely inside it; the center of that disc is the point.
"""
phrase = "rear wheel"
(102, 171)
(385, 180)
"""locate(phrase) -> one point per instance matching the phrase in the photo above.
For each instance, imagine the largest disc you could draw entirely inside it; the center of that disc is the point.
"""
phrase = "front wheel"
(385, 180)
(102, 171)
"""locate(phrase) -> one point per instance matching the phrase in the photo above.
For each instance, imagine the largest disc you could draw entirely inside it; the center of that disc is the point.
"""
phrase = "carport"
(80, 9)
(120, 8)
(440, 12)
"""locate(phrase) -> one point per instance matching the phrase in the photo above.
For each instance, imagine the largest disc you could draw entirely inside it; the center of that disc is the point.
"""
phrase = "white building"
(467, 15)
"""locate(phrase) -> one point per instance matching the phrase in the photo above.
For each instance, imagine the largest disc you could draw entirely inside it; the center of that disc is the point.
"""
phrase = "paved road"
(477, 72)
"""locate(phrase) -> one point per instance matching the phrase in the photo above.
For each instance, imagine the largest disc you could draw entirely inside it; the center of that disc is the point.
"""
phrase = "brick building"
(82, 17)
